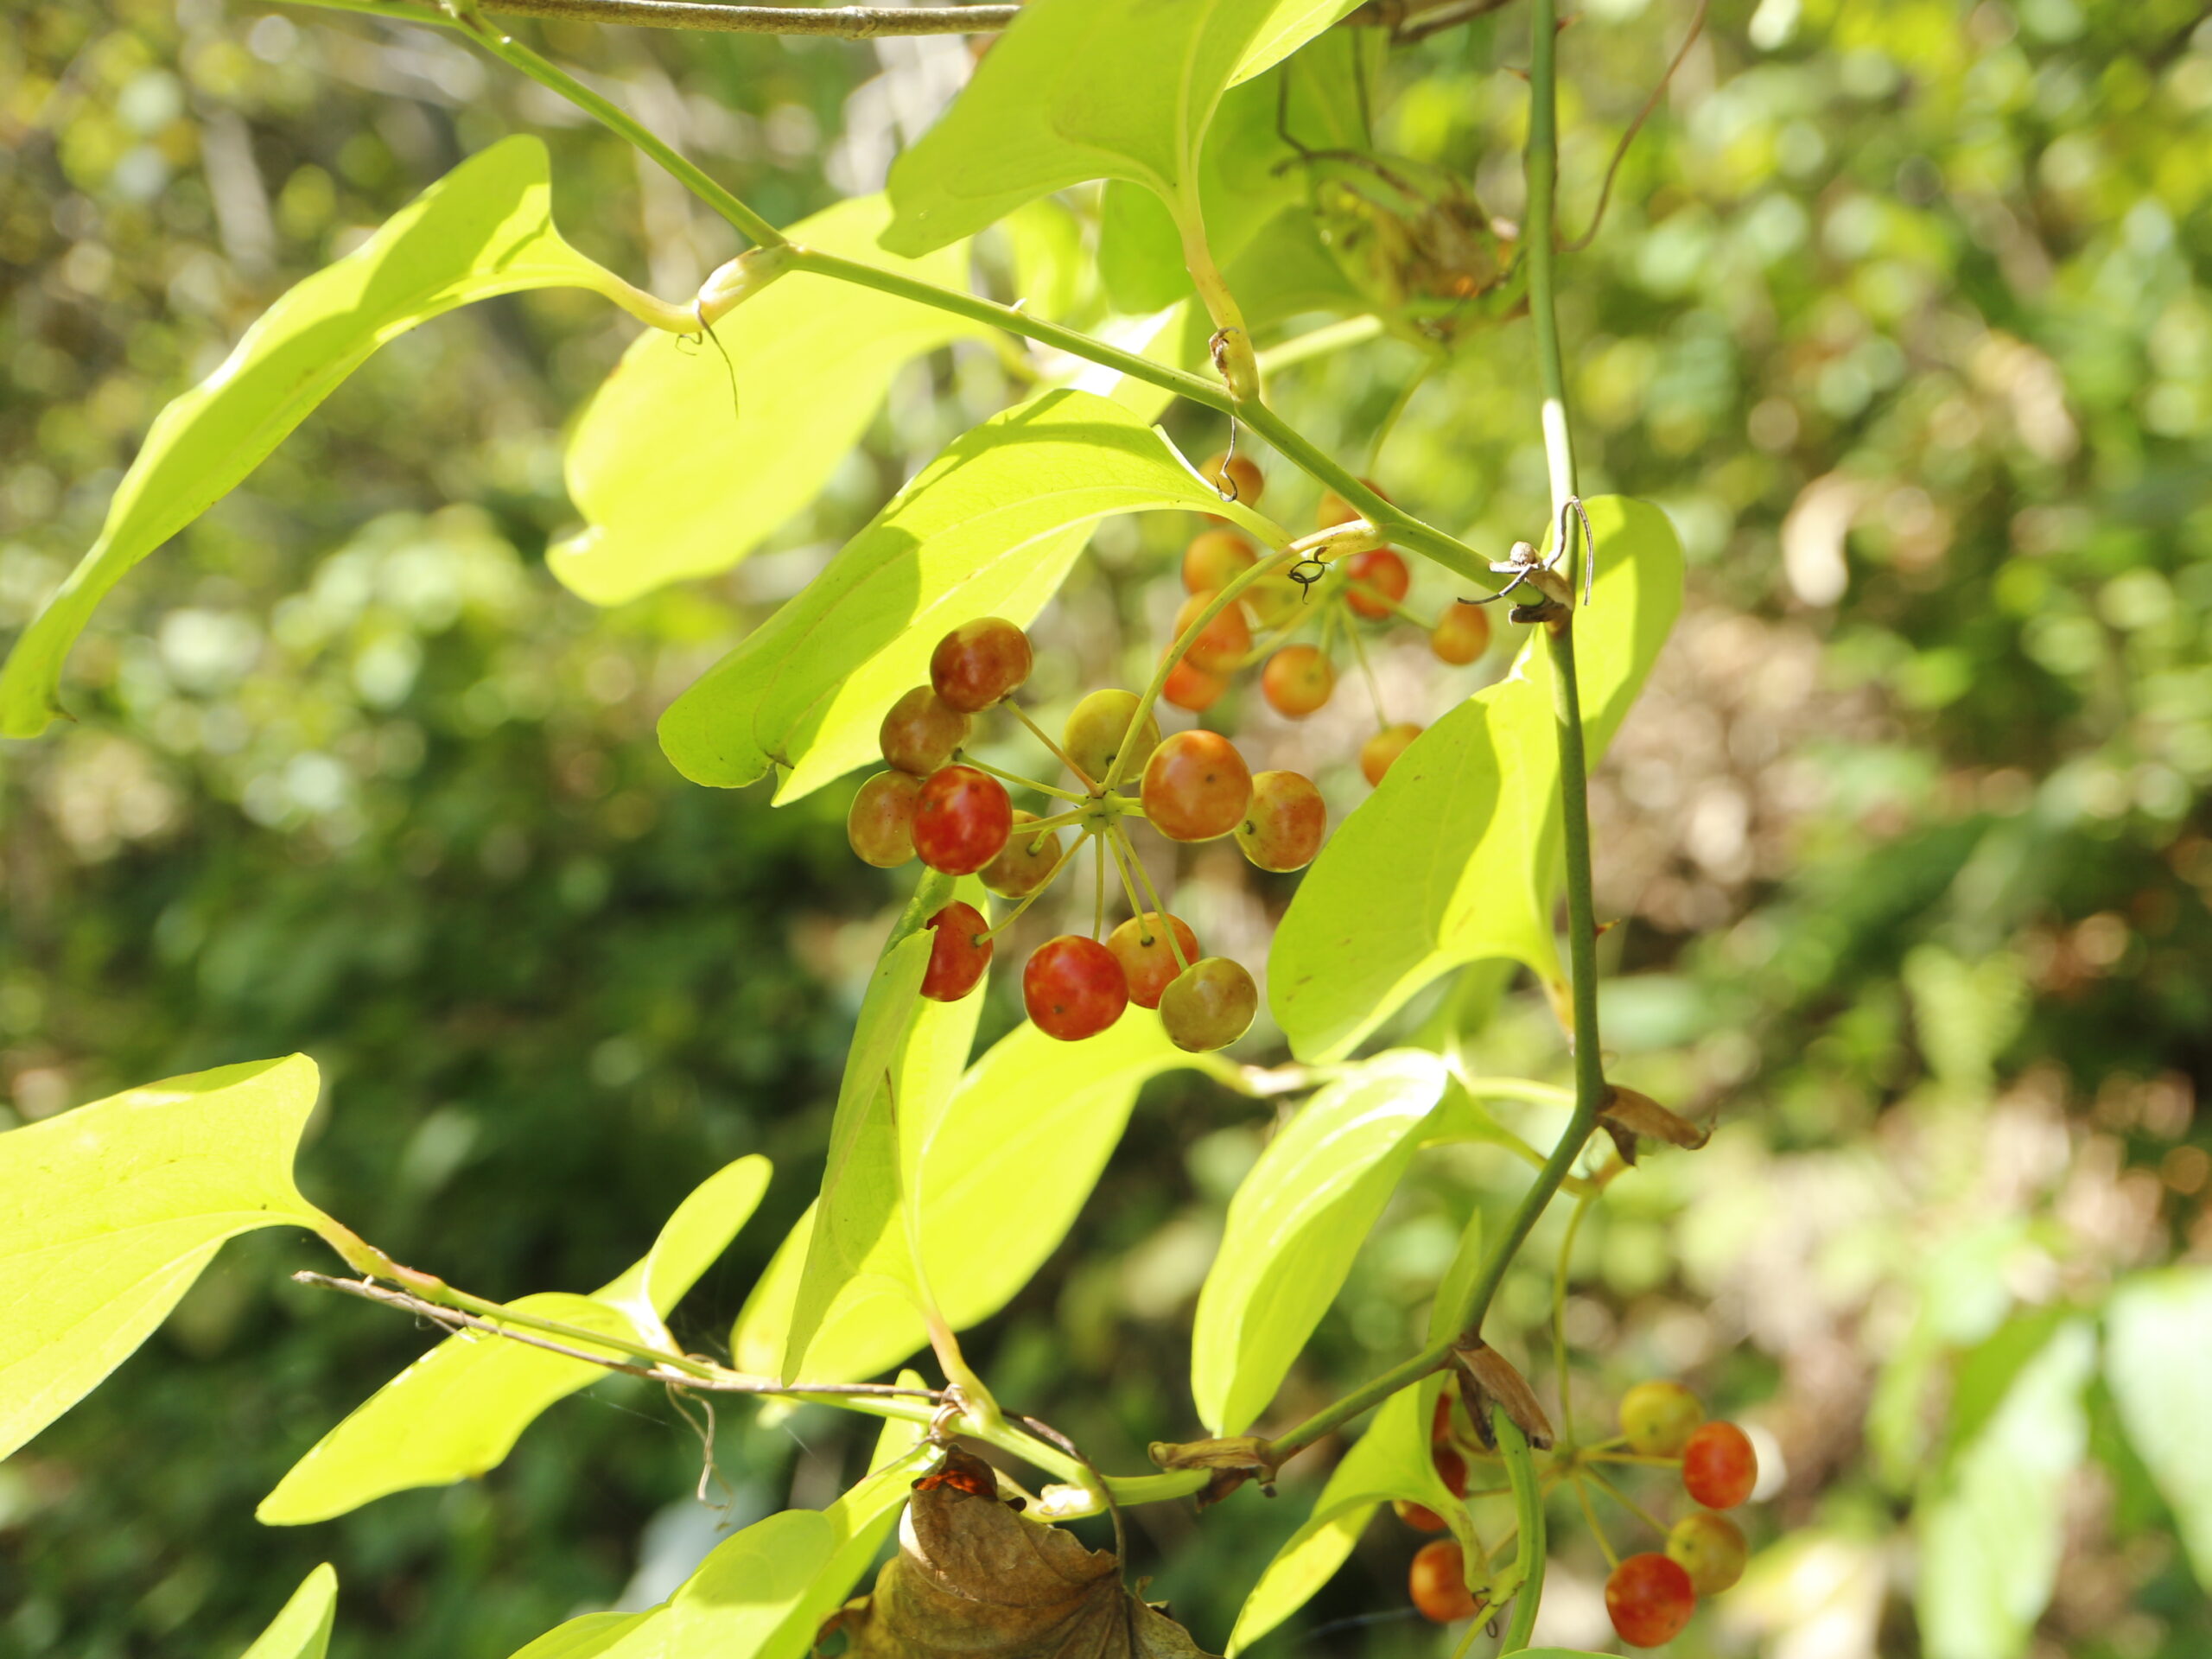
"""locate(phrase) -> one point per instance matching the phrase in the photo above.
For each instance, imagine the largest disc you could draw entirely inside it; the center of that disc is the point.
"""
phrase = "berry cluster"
(955, 814)
(1352, 596)
(1649, 1596)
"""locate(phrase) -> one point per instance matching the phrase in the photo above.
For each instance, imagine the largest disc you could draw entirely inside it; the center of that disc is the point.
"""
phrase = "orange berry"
(1214, 559)
(1140, 944)
(1193, 687)
(1297, 680)
(1719, 1468)
(1196, 786)
(1381, 752)
(1461, 634)
(1374, 582)
(1650, 1598)
(1438, 1583)
(1237, 477)
(1221, 644)
(1284, 823)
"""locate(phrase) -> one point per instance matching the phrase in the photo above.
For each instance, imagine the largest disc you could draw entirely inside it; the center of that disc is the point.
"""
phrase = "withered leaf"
(1487, 1378)
(1627, 1114)
(973, 1579)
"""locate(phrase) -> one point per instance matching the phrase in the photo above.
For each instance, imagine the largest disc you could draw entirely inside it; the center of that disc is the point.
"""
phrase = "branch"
(839, 23)
(1620, 150)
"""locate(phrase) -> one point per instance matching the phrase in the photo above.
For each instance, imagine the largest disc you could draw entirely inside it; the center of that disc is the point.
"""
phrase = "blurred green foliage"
(1903, 310)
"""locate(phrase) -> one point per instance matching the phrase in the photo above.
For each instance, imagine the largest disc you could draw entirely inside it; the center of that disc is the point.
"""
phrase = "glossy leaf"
(1296, 1223)
(301, 1630)
(1085, 89)
(486, 228)
(1003, 1172)
(678, 474)
(1993, 1528)
(989, 528)
(459, 1410)
(2159, 1334)
(590, 1636)
(1457, 856)
(109, 1212)
(1390, 1461)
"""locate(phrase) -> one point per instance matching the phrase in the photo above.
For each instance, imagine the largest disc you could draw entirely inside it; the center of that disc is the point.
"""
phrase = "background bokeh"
(1902, 309)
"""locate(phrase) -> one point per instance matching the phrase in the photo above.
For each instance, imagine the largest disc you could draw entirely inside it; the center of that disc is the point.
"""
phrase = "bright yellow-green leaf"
(989, 528)
(1295, 1225)
(589, 1636)
(677, 475)
(108, 1213)
(1458, 857)
(301, 1630)
(458, 1411)
(1289, 26)
(2159, 1334)
(486, 228)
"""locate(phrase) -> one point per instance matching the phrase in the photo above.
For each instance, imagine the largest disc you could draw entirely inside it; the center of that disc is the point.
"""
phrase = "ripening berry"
(1719, 1468)
(1439, 1422)
(1095, 731)
(1650, 1599)
(1208, 1006)
(1025, 862)
(1657, 1416)
(1223, 642)
(921, 732)
(962, 820)
(979, 663)
(1450, 1469)
(1214, 559)
(1335, 510)
(1297, 680)
(1711, 1549)
(1461, 634)
(1284, 821)
(1196, 786)
(1419, 1517)
(1073, 988)
(1380, 752)
(1188, 686)
(959, 953)
(1438, 1583)
(1237, 477)
(1375, 582)
(1140, 944)
(880, 825)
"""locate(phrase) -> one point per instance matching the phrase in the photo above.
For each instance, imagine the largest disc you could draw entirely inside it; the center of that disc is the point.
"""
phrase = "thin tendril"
(1367, 671)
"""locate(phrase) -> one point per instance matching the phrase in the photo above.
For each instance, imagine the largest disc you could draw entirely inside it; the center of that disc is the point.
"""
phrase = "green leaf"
(1993, 1526)
(109, 1212)
(673, 481)
(1296, 1223)
(1291, 23)
(2158, 1333)
(459, 1410)
(1085, 89)
(1456, 857)
(589, 1636)
(1391, 1460)
(302, 1630)
(989, 528)
(1003, 1172)
(486, 228)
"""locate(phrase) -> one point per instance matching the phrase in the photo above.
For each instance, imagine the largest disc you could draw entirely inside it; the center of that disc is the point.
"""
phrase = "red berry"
(1439, 1422)
(1297, 680)
(1025, 861)
(1374, 582)
(1419, 1517)
(1223, 643)
(979, 663)
(1650, 1599)
(1657, 1416)
(880, 825)
(1191, 687)
(1711, 1549)
(1719, 1468)
(1450, 1469)
(1461, 634)
(1214, 559)
(962, 820)
(1237, 477)
(958, 954)
(1381, 752)
(1196, 786)
(1284, 821)
(1073, 988)
(1093, 733)
(1140, 944)
(1210, 1005)
(1438, 1583)
(921, 732)
(1335, 510)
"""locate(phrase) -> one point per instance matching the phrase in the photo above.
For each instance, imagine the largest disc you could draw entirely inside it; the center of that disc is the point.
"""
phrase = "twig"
(1620, 150)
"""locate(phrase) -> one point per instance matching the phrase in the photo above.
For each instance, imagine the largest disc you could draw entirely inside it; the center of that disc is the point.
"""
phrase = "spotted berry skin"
(1437, 1581)
(1196, 786)
(1147, 961)
(1284, 821)
(1073, 988)
(1710, 1549)
(962, 820)
(1094, 732)
(1657, 1416)
(1026, 863)
(980, 662)
(1208, 1006)
(921, 732)
(1719, 1468)
(880, 825)
(959, 952)
(1650, 1598)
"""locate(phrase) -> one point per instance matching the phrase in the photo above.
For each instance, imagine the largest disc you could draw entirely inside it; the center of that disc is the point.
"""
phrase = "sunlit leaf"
(1457, 856)
(458, 1411)
(301, 1630)
(589, 1636)
(679, 474)
(486, 228)
(1288, 26)
(109, 1212)
(1294, 1226)
(2159, 1336)
(989, 528)
(1993, 1525)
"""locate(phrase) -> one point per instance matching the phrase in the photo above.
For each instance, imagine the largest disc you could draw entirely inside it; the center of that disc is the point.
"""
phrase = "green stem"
(1558, 1320)
(1433, 1358)
(1528, 1553)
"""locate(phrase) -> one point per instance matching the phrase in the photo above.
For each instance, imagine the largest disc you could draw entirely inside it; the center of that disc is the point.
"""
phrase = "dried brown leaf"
(1627, 1114)
(1488, 1379)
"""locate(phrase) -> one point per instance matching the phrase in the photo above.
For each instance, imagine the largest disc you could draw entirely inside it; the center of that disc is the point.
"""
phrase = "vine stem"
(1529, 1512)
